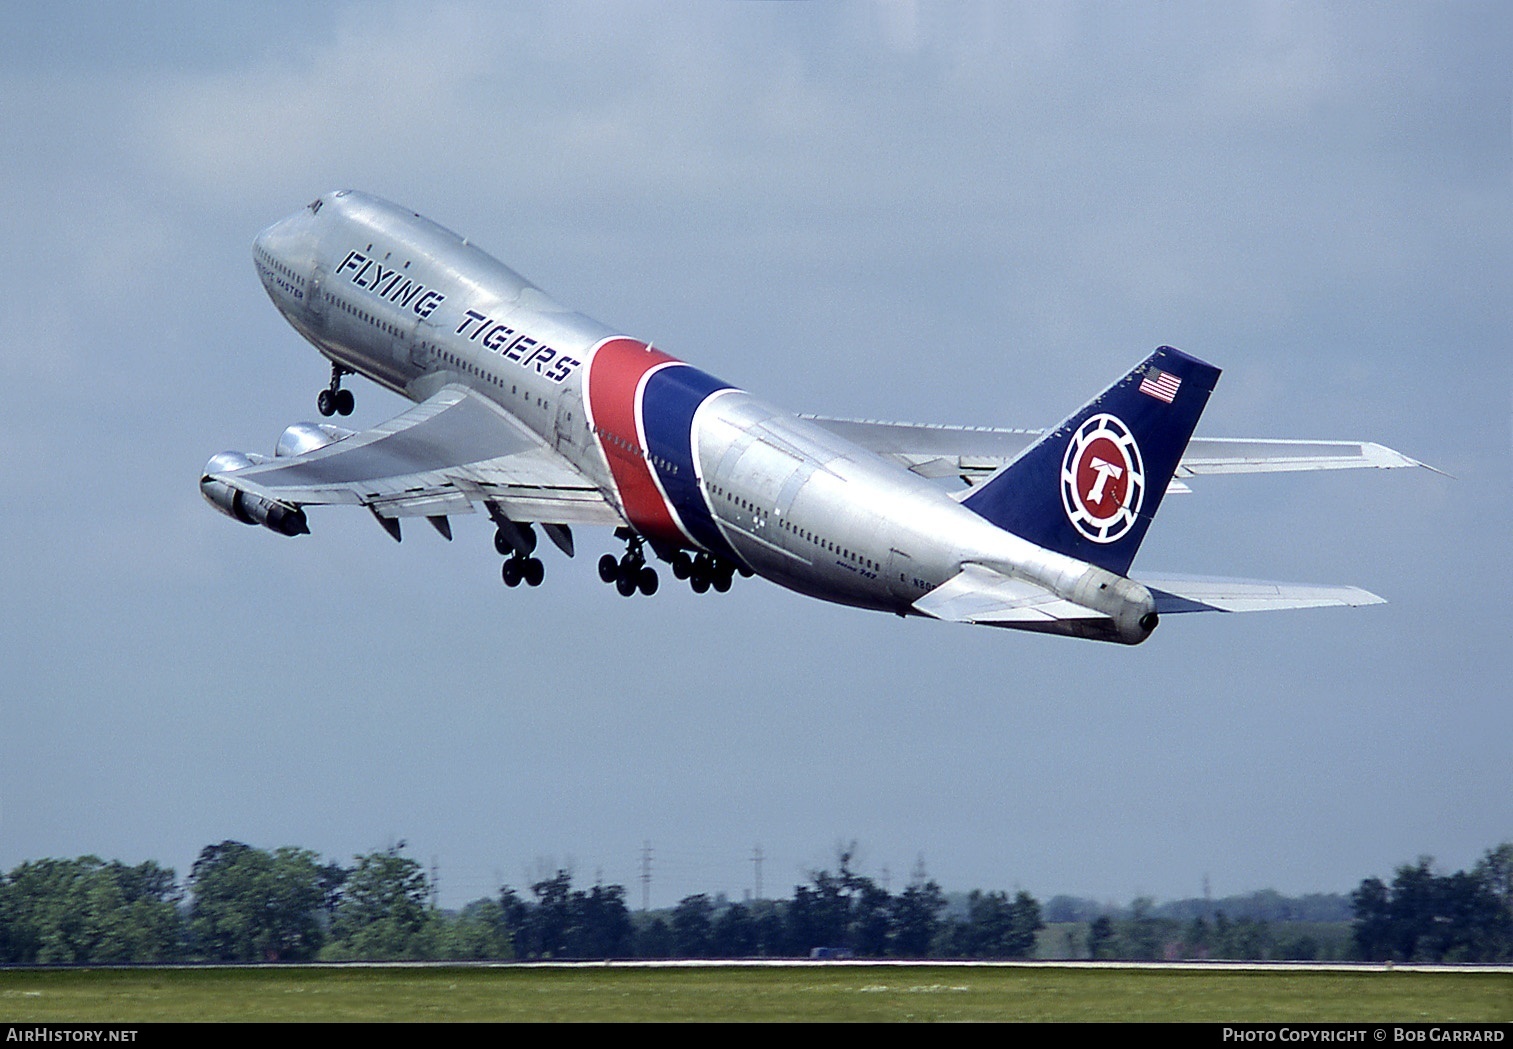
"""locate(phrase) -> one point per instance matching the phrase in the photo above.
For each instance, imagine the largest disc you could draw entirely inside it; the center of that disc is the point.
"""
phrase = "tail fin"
(1089, 488)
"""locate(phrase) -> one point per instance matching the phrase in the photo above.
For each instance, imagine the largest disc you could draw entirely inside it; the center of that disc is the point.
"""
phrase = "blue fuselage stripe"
(671, 397)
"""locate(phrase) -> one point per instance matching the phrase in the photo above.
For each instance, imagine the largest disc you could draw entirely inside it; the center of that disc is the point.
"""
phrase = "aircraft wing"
(438, 458)
(975, 453)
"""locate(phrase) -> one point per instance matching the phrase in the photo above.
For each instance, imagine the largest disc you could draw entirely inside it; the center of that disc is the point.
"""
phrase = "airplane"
(545, 417)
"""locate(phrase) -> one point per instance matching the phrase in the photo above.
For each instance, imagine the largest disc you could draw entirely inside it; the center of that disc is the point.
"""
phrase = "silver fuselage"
(414, 307)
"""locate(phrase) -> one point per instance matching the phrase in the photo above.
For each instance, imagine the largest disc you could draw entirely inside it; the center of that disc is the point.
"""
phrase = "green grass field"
(912, 993)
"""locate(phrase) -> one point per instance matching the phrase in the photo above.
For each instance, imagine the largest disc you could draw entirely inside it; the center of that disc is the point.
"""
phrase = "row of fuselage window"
(801, 533)
(274, 272)
(472, 369)
(631, 448)
(278, 267)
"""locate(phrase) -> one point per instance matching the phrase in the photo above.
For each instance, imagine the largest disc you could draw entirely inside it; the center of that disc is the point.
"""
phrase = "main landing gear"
(703, 571)
(517, 569)
(518, 542)
(334, 400)
(631, 572)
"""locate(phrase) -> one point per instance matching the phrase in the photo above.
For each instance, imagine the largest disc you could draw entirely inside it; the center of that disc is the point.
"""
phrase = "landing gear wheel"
(700, 583)
(682, 565)
(512, 573)
(721, 583)
(533, 570)
(333, 399)
(609, 568)
(629, 572)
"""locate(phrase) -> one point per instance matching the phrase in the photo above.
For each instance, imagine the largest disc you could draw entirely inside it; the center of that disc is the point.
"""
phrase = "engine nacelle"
(243, 506)
(307, 437)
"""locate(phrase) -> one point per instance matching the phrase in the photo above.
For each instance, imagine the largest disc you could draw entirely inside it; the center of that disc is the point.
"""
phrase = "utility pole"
(645, 875)
(756, 861)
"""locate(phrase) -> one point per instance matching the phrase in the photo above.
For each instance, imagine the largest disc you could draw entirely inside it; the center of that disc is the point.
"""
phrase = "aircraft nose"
(284, 246)
(273, 240)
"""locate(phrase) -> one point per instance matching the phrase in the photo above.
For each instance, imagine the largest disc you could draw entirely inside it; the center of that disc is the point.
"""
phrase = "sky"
(957, 213)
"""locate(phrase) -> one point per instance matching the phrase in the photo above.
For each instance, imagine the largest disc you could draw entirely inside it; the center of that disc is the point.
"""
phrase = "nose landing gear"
(334, 400)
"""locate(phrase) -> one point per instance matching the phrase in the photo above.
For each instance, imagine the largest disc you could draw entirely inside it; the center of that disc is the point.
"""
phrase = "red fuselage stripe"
(614, 376)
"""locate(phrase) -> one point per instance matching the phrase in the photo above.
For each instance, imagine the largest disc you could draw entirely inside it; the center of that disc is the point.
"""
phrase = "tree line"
(245, 904)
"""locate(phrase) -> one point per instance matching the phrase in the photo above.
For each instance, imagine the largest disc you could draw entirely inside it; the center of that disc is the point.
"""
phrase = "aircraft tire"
(325, 403)
(647, 581)
(511, 573)
(626, 585)
(502, 545)
(345, 402)
(721, 583)
(534, 571)
(609, 568)
(700, 583)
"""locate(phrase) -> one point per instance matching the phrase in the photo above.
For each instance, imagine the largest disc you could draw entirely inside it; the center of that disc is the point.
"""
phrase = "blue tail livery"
(1090, 487)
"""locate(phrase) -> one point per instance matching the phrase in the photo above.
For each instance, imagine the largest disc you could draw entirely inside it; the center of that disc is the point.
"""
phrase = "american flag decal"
(1161, 385)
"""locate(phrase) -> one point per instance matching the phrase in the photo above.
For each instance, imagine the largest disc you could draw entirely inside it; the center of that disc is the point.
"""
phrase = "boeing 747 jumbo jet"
(546, 418)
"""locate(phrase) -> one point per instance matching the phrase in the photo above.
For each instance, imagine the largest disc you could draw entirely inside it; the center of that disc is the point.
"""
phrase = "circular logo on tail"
(1102, 479)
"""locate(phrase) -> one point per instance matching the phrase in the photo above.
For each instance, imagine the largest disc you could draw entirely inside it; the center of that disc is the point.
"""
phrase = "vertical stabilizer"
(1089, 488)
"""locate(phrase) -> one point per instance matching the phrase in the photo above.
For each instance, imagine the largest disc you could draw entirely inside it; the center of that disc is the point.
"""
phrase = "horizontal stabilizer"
(980, 595)
(1175, 594)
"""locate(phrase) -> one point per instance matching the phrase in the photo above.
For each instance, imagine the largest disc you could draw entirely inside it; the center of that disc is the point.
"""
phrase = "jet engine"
(245, 507)
(307, 437)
